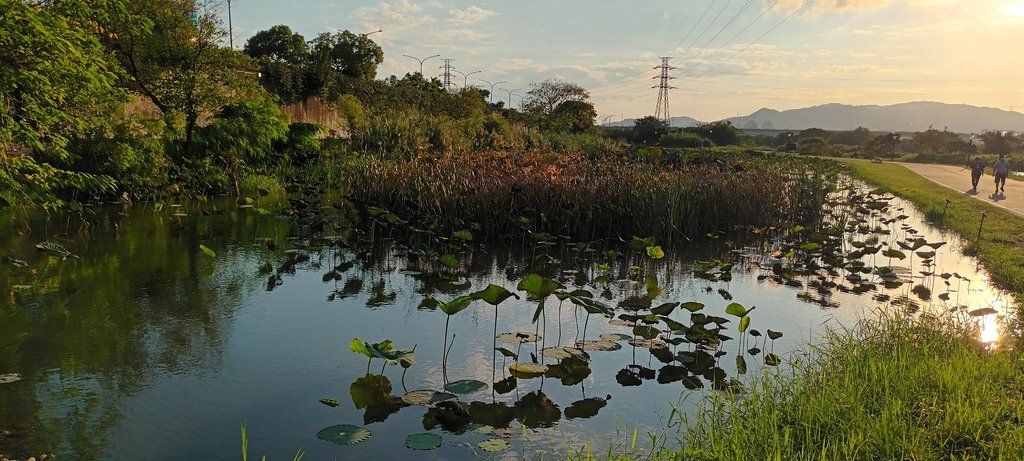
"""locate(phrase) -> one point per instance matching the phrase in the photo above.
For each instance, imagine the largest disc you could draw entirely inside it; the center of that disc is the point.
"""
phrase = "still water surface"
(143, 346)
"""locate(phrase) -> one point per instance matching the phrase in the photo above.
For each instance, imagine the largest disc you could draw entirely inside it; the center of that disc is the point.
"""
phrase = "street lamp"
(465, 77)
(510, 92)
(895, 138)
(421, 60)
(491, 94)
(371, 33)
(1002, 136)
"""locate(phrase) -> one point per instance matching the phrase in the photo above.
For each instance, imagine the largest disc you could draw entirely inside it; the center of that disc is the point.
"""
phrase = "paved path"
(959, 178)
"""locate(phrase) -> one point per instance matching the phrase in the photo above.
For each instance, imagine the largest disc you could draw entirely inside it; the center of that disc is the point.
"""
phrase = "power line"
(737, 34)
(708, 26)
(776, 26)
(726, 26)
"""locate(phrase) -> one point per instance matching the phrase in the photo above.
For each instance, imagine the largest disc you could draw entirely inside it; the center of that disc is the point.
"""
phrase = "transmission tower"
(662, 110)
(447, 74)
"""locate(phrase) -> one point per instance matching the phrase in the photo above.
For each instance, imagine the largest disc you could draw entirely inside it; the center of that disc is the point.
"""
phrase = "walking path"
(959, 178)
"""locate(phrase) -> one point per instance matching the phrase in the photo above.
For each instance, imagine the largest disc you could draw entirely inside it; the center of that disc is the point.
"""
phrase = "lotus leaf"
(344, 434)
(424, 441)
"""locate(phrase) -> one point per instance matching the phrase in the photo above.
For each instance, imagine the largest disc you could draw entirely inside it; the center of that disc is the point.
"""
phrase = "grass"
(890, 388)
(1001, 247)
(894, 387)
(591, 199)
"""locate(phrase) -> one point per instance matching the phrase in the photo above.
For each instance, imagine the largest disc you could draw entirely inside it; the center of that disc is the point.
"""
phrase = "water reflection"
(149, 345)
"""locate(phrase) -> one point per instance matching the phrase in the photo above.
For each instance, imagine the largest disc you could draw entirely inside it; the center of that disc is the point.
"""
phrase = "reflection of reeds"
(575, 196)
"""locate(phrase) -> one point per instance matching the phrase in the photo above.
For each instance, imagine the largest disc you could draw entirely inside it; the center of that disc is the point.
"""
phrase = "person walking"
(977, 169)
(1001, 169)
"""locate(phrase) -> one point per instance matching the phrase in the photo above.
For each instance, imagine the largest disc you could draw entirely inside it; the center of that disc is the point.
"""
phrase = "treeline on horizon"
(76, 71)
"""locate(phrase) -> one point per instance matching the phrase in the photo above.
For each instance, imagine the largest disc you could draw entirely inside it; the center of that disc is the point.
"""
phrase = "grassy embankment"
(897, 387)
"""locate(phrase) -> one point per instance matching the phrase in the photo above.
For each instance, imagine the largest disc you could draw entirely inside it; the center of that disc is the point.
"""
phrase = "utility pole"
(662, 110)
(448, 74)
(491, 94)
(465, 77)
(421, 60)
(231, 34)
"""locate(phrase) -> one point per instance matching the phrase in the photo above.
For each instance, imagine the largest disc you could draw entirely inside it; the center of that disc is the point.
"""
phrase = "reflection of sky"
(288, 348)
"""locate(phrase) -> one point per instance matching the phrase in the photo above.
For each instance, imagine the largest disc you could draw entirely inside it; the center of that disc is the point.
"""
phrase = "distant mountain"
(911, 116)
(675, 122)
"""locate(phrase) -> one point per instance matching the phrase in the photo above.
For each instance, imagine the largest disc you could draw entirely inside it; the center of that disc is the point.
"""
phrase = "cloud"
(469, 15)
(393, 17)
(814, 8)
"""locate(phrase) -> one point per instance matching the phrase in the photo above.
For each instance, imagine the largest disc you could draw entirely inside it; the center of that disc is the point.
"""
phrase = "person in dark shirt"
(977, 169)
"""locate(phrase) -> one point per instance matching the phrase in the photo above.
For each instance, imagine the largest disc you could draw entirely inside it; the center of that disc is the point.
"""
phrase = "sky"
(730, 57)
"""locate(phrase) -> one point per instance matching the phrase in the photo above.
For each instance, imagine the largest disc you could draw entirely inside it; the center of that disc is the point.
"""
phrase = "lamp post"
(421, 60)
(465, 77)
(491, 94)
(371, 33)
(895, 138)
(510, 92)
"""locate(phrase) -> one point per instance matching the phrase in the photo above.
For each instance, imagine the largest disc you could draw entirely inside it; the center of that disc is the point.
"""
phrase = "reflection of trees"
(142, 301)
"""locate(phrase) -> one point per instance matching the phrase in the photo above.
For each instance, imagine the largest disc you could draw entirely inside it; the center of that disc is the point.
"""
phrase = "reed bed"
(588, 199)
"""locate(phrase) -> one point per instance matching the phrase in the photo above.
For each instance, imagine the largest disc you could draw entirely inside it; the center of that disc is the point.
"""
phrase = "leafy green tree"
(57, 81)
(813, 145)
(278, 44)
(649, 129)
(814, 133)
(283, 56)
(936, 141)
(179, 64)
(345, 54)
(858, 137)
(722, 133)
(572, 116)
(242, 137)
(996, 142)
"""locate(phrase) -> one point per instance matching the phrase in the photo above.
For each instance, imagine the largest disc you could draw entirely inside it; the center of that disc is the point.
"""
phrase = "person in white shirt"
(1001, 169)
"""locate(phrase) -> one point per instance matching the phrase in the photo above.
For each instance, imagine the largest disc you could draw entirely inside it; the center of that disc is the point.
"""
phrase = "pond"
(158, 331)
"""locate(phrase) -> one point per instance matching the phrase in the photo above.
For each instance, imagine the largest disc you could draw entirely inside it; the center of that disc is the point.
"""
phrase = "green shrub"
(684, 139)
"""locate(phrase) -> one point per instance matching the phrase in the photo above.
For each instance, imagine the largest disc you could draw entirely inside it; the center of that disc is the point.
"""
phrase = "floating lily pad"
(9, 378)
(465, 386)
(494, 445)
(558, 352)
(527, 370)
(427, 396)
(518, 337)
(424, 441)
(621, 323)
(648, 343)
(330, 402)
(598, 345)
(344, 434)
(614, 337)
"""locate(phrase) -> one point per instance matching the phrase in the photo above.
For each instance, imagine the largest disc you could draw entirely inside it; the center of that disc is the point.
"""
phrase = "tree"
(278, 44)
(283, 55)
(179, 64)
(1000, 142)
(549, 94)
(57, 81)
(648, 129)
(722, 133)
(858, 137)
(937, 141)
(347, 54)
(57, 78)
(573, 116)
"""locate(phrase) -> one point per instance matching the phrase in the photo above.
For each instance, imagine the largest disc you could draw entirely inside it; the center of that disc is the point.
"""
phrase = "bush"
(131, 152)
(684, 139)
